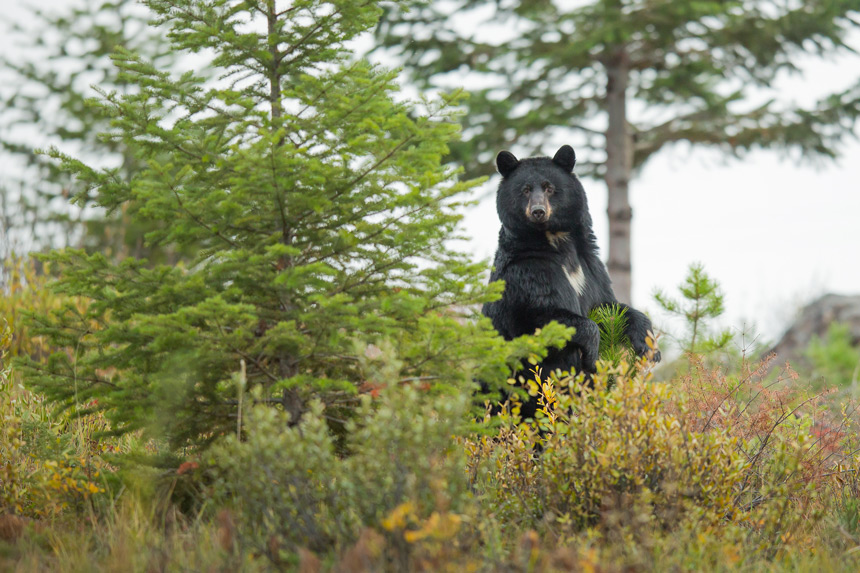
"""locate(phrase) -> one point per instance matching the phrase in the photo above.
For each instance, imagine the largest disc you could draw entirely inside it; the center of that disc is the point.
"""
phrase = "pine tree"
(700, 302)
(695, 68)
(61, 54)
(323, 217)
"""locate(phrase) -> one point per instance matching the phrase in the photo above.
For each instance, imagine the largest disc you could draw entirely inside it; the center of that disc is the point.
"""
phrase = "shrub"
(835, 359)
(602, 451)
(24, 289)
(638, 463)
(48, 464)
(402, 476)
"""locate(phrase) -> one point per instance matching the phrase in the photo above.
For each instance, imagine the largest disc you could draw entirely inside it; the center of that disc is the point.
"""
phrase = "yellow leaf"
(398, 517)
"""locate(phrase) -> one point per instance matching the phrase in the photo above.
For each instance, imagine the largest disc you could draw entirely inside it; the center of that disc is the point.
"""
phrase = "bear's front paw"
(642, 348)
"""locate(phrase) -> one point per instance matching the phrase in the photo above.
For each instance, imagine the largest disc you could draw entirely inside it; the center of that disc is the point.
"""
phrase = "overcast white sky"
(775, 233)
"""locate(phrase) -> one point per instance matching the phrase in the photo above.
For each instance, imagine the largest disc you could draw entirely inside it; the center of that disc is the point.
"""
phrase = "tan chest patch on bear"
(555, 239)
(576, 278)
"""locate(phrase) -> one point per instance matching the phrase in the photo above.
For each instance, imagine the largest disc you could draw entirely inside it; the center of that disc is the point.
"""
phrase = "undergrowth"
(722, 467)
(706, 472)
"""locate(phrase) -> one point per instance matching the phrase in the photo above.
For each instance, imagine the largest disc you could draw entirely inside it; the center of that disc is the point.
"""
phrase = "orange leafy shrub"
(605, 451)
(764, 410)
(748, 455)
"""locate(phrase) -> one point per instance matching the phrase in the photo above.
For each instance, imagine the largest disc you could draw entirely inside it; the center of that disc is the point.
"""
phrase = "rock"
(814, 320)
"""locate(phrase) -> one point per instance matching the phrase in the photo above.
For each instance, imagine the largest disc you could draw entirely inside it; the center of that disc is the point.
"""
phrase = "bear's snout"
(539, 213)
(538, 209)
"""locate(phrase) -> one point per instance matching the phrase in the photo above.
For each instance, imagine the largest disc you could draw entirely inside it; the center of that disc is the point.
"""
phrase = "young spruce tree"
(323, 216)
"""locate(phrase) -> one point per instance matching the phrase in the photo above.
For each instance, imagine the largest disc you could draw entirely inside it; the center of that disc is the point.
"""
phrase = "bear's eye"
(548, 188)
(527, 190)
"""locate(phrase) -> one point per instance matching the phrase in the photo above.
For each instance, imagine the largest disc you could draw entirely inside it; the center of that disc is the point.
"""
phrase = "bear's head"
(540, 195)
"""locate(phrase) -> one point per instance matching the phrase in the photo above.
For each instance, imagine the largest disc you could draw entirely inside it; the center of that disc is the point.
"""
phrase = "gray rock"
(814, 320)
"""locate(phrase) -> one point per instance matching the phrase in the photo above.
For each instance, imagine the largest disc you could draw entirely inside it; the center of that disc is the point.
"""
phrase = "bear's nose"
(539, 213)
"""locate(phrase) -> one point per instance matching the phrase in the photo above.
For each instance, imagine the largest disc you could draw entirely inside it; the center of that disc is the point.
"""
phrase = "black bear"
(548, 258)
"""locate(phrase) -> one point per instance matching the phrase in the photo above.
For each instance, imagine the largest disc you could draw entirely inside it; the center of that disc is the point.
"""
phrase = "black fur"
(546, 235)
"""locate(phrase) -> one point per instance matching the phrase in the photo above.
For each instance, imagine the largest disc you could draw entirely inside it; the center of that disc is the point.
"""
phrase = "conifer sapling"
(322, 218)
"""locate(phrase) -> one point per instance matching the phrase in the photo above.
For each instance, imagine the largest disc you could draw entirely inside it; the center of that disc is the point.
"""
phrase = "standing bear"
(548, 258)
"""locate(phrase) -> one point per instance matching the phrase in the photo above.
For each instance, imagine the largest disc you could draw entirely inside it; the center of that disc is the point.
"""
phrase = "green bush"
(403, 476)
(835, 359)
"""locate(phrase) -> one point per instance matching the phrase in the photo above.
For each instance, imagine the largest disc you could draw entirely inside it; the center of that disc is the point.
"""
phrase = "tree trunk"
(619, 164)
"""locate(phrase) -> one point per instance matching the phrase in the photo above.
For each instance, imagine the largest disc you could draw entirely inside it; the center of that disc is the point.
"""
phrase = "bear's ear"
(506, 163)
(565, 158)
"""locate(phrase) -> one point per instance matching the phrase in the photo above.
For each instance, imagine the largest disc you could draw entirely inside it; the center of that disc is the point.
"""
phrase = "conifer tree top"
(696, 69)
(320, 214)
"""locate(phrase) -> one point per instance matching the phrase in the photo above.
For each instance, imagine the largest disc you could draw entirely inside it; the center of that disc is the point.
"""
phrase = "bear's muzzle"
(538, 210)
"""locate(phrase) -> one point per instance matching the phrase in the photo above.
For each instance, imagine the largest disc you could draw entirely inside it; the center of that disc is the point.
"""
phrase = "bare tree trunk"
(619, 164)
